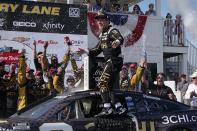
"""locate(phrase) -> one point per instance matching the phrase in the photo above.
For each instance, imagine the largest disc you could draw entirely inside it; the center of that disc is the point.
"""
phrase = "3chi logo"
(74, 12)
(24, 24)
(1, 22)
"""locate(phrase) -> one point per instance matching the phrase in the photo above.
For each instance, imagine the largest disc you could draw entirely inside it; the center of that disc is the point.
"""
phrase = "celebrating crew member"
(110, 41)
(160, 89)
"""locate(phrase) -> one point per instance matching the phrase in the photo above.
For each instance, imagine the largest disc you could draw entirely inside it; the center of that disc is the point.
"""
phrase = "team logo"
(24, 24)
(74, 12)
(1, 22)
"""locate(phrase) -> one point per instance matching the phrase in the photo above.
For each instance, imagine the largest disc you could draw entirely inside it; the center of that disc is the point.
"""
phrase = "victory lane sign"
(43, 17)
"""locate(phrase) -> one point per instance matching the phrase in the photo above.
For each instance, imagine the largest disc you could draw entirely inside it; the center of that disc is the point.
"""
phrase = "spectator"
(168, 28)
(125, 9)
(58, 80)
(115, 8)
(191, 93)
(144, 81)
(89, 4)
(160, 89)
(132, 69)
(2, 71)
(22, 97)
(37, 58)
(182, 86)
(178, 30)
(137, 80)
(137, 10)
(3, 99)
(40, 89)
(181, 83)
(151, 10)
(106, 7)
(124, 79)
(30, 80)
(70, 83)
(98, 6)
(131, 83)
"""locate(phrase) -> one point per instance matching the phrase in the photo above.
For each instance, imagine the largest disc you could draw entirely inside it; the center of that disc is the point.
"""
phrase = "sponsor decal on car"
(181, 118)
(21, 126)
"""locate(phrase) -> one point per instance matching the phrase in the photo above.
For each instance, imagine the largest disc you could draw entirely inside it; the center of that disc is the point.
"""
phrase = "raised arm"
(34, 49)
(44, 59)
(138, 75)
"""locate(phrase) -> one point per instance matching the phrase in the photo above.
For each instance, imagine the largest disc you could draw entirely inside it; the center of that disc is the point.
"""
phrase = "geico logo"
(24, 24)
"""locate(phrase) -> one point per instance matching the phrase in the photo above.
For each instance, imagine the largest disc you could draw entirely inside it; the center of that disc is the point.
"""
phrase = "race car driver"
(110, 41)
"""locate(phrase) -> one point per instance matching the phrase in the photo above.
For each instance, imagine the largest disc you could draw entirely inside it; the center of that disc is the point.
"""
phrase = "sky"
(188, 10)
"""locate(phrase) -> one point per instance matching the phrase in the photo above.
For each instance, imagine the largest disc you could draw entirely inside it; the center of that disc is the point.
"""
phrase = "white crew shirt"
(192, 87)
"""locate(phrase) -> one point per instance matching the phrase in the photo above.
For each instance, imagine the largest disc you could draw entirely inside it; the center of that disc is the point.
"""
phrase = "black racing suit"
(109, 78)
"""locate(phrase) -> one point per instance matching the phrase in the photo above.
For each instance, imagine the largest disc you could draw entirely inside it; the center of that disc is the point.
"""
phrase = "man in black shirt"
(160, 89)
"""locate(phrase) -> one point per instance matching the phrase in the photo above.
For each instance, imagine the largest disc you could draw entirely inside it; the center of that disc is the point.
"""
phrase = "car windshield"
(41, 109)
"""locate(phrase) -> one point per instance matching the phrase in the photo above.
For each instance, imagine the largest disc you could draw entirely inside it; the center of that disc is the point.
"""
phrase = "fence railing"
(192, 53)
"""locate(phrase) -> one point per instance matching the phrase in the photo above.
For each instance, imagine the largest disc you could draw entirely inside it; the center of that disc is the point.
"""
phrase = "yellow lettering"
(35, 10)
(46, 10)
(25, 9)
(55, 11)
(13, 7)
(4, 7)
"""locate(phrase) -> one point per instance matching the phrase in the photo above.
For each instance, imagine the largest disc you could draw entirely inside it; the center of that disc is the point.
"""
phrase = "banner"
(22, 23)
(130, 26)
(43, 17)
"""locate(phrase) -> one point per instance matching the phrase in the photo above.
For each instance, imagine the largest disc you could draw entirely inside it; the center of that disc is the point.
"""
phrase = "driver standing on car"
(110, 41)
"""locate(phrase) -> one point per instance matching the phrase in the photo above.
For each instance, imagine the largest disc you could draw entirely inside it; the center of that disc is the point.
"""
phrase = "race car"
(77, 111)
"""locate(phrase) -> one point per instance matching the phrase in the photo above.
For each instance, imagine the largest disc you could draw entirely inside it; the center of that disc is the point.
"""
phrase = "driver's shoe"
(120, 109)
(105, 112)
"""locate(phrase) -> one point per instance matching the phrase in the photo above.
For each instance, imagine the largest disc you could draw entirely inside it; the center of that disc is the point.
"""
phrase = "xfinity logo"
(24, 24)
(53, 26)
(1, 22)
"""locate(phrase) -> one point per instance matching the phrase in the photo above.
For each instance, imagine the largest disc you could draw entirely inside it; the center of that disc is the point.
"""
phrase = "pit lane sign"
(43, 17)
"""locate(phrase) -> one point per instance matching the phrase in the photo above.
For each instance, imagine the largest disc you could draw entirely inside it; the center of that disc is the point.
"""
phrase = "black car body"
(76, 112)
